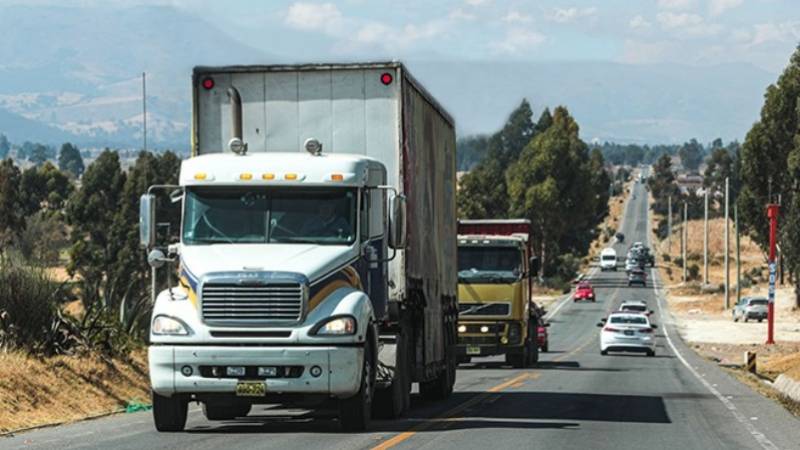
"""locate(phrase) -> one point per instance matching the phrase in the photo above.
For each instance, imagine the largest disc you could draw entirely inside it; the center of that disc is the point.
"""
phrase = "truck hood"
(313, 261)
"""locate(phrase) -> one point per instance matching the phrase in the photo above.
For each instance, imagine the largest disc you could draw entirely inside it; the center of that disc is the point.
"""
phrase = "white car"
(635, 306)
(608, 259)
(627, 332)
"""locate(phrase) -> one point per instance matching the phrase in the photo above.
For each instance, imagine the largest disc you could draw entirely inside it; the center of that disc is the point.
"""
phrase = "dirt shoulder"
(700, 314)
(53, 390)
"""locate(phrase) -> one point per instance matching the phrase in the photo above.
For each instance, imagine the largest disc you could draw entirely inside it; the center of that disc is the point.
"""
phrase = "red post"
(772, 214)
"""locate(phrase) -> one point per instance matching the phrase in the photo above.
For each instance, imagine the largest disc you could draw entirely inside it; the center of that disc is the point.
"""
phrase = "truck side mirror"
(397, 222)
(147, 220)
(534, 265)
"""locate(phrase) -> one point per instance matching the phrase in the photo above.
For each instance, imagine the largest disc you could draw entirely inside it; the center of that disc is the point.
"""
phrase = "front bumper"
(340, 377)
(632, 344)
(756, 314)
(496, 341)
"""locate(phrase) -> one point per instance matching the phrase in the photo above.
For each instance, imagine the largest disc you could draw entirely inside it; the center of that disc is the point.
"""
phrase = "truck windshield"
(489, 264)
(268, 215)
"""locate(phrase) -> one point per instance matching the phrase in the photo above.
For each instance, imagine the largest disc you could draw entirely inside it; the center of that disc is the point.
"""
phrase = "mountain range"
(74, 73)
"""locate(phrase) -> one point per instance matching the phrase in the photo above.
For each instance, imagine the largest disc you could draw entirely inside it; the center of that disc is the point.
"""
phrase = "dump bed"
(377, 110)
(497, 227)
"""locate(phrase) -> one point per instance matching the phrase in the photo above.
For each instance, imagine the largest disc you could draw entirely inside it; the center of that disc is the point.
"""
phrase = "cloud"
(717, 7)
(639, 23)
(460, 14)
(324, 17)
(775, 32)
(518, 40)
(675, 4)
(678, 20)
(564, 15)
(393, 38)
(477, 2)
(517, 17)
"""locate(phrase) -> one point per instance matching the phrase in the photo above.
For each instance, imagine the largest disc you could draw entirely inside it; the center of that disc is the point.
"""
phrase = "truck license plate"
(473, 350)
(251, 389)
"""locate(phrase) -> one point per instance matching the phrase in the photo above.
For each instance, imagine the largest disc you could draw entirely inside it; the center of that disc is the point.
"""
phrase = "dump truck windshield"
(268, 215)
(480, 264)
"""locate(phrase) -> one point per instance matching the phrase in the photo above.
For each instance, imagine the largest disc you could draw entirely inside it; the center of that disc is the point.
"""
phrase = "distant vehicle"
(635, 306)
(626, 332)
(608, 259)
(584, 292)
(637, 276)
(542, 338)
(632, 264)
(637, 245)
(751, 308)
(620, 237)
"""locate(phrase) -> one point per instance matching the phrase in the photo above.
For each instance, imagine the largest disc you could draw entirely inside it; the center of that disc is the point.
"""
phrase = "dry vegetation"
(42, 391)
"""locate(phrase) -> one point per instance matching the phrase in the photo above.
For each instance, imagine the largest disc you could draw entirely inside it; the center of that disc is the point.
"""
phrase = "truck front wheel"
(169, 413)
(356, 411)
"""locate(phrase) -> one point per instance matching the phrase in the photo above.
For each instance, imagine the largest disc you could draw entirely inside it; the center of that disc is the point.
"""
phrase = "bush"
(43, 238)
(29, 316)
(679, 261)
(694, 272)
(694, 257)
(666, 258)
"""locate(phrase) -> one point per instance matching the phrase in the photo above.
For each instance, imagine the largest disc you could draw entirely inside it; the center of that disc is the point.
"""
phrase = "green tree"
(662, 185)
(470, 151)
(11, 219)
(552, 185)
(44, 187)
(482, 192)
(70, 160)
(91, 212)
(770, 167)
(544, 122)
(5, 146)
(601, 183)
(691, 154)
(720, 165)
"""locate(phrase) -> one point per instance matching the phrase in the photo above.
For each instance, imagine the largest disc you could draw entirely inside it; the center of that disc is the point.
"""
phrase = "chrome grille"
(232, 302)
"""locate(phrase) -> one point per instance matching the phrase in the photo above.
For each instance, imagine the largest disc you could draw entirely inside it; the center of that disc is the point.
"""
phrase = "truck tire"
(393, 401)
(225, 412)
(442, 386)
(355, 412)
(169, 413)
(533, 350)
(518, 360)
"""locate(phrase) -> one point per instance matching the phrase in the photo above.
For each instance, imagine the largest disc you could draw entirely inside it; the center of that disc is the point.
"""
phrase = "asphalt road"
(573, 399)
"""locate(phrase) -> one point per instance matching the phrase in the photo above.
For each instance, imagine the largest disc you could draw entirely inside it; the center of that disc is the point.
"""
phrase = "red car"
(541, 334)
(584, 292)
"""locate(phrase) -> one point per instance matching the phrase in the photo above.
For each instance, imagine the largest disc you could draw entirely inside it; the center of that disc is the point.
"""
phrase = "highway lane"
(573, 399)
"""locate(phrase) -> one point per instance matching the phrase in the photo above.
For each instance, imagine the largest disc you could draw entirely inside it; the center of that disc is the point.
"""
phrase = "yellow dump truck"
(495, 273)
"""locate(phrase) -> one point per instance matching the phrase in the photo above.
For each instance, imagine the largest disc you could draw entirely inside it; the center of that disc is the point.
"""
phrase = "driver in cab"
(326, 224)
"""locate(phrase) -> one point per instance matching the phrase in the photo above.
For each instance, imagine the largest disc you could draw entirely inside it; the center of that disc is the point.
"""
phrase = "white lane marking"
(762, 439)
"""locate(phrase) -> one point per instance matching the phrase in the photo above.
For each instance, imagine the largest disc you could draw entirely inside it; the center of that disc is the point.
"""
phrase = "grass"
(44, 391)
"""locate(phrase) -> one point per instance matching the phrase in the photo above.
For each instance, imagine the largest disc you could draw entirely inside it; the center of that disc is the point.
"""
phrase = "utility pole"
(144, 111)
(727, 249)
(705, 240)
(738, 254)
(669, 225)
(772, 213)
(685, 236)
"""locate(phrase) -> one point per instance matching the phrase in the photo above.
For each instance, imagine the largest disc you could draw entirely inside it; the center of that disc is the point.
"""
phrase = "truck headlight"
(335, 326)
(169, 326)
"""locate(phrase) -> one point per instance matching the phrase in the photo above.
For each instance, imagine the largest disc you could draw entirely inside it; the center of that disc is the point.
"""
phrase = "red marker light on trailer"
(387, 78)
(208, 83)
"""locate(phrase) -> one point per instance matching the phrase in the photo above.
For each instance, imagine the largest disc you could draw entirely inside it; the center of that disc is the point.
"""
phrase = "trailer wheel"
(356, 411)
(442, 386)
(169, 413)
(225, 412)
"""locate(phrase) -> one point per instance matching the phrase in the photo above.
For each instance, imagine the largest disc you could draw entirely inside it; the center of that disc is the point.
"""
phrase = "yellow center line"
(452, 412)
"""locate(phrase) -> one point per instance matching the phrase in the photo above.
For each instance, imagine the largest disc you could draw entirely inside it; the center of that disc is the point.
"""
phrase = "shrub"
(679, 261)
(29, 315)
(666, 258)
(694, 272)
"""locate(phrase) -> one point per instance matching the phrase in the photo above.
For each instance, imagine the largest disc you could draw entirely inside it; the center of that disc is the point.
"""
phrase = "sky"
(695, 32)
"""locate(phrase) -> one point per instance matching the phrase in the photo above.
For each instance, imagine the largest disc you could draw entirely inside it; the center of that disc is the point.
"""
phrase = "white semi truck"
(316, 264)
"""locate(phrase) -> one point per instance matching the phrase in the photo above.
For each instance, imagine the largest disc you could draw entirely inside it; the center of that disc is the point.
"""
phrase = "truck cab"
(495, 272)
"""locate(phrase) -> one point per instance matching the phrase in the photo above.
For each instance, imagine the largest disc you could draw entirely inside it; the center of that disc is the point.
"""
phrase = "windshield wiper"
(475, 309)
